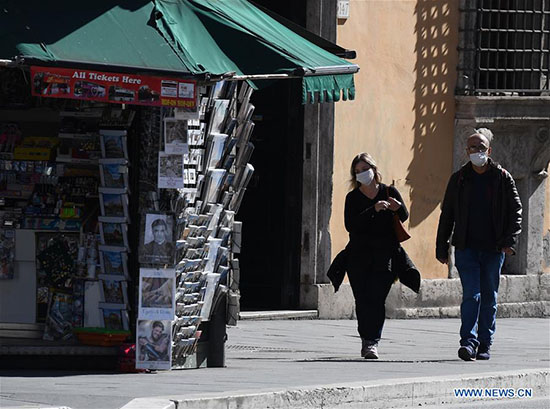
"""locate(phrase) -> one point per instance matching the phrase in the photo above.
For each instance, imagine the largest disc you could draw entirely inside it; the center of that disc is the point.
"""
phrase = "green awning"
(185, 37)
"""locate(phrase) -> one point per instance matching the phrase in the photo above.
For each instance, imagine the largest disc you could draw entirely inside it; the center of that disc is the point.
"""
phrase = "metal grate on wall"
(504, 47)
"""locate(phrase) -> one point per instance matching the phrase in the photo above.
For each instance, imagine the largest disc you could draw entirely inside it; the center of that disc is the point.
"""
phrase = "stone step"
(530, 309)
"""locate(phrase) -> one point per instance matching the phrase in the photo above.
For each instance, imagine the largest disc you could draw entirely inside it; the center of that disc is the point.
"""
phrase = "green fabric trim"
(327, 88)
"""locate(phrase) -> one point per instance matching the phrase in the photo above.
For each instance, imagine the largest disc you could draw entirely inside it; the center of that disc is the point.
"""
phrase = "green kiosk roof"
(208, 38)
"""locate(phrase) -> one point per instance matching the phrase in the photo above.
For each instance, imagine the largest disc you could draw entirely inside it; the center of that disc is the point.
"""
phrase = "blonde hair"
(363, 157)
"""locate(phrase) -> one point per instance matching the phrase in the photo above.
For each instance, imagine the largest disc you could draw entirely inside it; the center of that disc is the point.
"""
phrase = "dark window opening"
(505, 47)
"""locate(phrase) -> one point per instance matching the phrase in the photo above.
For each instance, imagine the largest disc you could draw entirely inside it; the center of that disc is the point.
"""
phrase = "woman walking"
(368, 215)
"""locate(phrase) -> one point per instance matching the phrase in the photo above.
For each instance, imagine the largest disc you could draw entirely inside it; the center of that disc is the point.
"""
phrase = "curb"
(279, 315)
(384, 394)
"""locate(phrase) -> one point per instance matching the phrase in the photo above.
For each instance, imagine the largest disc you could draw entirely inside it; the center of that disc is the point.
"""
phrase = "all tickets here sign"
(113, 87)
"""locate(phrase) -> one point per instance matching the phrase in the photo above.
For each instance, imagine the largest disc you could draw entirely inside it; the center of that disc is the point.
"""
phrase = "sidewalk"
(309, 363)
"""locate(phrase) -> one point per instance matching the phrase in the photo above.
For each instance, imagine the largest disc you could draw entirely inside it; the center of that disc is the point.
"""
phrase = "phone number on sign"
(176, 103)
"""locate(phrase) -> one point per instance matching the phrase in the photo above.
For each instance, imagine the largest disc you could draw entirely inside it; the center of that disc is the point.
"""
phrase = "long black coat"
(401, 265)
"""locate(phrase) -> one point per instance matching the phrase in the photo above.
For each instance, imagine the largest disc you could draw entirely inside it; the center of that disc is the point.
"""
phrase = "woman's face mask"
(366, 177)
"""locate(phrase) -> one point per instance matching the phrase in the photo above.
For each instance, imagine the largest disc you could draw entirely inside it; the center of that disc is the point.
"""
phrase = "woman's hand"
(381, 205)
(394, 204)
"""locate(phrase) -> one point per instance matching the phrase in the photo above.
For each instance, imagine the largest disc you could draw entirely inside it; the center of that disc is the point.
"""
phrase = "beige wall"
(403, 114)
(546, 266)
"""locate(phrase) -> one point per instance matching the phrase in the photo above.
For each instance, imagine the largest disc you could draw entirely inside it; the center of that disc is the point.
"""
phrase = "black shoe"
(467, 353)
(484, 352)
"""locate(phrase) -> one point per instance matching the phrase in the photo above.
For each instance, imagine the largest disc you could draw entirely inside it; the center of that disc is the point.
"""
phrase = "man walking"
(483, 207)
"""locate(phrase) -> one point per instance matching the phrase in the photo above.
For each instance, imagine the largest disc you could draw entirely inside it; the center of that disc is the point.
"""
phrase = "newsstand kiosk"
(118, 214)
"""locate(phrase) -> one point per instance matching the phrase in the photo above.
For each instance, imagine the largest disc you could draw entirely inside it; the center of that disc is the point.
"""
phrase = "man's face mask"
(479, 158)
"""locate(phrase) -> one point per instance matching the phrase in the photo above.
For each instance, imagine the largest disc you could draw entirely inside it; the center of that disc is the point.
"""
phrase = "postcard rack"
(202, 172)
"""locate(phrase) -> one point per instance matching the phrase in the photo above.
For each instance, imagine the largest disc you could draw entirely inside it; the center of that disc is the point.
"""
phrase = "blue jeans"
(480, 275)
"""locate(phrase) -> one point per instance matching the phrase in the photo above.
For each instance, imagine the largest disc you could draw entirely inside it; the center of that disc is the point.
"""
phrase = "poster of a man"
(153, 346)
(157, 245)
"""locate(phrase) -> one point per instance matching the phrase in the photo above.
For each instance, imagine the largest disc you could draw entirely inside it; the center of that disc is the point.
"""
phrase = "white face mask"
(366, 177)
(479, 158)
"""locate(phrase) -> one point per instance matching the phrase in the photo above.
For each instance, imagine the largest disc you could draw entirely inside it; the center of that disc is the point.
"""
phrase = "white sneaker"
(369, 352)
(368, 349)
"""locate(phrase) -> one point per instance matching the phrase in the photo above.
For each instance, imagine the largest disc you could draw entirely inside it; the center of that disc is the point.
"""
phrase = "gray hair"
(486, 132)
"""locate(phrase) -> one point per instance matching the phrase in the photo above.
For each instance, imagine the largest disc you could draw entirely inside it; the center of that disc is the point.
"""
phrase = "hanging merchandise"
(57, 261)
(7, 253)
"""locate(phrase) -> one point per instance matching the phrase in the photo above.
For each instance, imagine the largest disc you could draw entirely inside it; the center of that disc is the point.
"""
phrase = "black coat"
(506, 209)
(401, 265)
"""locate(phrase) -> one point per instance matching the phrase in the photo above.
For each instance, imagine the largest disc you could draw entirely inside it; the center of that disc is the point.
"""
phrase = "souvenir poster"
(157, 239)
(59, 317)
(113, 144)
(114, 289)
(114, 234)
(170, 170)
(113, 175)
(175, 136)
(114, 262)
(154, 344)
(157, 292)
(113, 204)
(7, 253)
(114, 317)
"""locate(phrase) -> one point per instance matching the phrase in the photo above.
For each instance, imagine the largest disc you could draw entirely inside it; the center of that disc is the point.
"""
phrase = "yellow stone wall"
(546, 267)
(403, 114)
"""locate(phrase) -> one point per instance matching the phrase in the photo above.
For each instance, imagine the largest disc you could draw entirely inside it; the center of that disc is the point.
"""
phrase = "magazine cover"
(113, 262)
(114, 175)
(114, 234)
(114, 316)
(157, 239)
(114, 289)
(113, 144)
(154, 344)
(157, 291)
(113, 204)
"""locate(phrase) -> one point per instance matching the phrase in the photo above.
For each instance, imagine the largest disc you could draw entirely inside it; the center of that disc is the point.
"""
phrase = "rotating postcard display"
(113, 228)
(204, 165)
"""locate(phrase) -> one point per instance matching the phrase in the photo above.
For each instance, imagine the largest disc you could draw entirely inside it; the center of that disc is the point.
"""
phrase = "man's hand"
(443, 260)
(509, 251)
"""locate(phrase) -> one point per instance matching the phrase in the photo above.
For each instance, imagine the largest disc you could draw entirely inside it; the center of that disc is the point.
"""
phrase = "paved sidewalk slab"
(277, 356)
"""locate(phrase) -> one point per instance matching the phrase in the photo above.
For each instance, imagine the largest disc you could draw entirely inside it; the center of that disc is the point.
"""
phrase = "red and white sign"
(113, 87)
